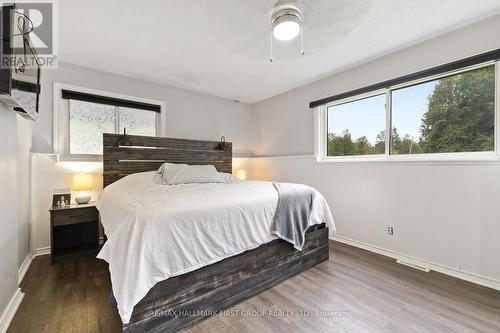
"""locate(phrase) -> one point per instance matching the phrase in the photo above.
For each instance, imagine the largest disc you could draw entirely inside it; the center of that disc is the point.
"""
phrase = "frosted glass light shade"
(286, 27)
(82, 182)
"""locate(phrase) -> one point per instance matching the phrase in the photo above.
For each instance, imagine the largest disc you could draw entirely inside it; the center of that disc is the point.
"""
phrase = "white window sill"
(78, 158)
(449, 159)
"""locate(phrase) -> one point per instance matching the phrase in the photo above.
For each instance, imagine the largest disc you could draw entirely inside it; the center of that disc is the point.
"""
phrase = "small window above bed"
(82, 115)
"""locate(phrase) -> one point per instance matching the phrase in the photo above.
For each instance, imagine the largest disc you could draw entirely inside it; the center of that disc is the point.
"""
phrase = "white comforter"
(159, 231)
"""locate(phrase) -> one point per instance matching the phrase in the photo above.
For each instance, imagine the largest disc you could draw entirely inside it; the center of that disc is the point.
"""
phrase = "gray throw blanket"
(293, 213)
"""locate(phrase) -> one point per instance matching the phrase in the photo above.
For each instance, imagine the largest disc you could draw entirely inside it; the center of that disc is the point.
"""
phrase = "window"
(357, 128)
(437, 116)
(87, 122)
(137, 122)
(83, 115)
(452, 114)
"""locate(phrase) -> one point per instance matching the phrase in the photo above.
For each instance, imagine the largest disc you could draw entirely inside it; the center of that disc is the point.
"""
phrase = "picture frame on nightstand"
(61, 197)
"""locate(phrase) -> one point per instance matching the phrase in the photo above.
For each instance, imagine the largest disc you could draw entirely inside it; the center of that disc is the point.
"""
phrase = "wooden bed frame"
(184, 300)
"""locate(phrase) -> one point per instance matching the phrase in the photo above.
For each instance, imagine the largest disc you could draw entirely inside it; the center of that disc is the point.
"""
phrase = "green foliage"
(459, 118)
(343, 145)
(406, 145)
(340, 145)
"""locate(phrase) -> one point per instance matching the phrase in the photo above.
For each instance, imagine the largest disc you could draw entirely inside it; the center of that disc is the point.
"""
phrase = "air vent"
(412, 265)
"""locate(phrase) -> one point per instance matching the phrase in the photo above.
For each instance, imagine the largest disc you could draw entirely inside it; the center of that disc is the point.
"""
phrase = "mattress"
(155, 232)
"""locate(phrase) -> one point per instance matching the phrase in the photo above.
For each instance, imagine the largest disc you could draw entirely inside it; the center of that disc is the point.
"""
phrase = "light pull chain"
(271, 59)
(301, 38)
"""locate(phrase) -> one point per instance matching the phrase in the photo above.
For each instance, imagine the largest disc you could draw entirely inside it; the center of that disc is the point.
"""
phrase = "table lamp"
(82, 182)
(241, 174)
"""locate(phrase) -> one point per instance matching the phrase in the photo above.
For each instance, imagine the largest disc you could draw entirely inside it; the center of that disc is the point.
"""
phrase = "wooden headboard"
(127, 154)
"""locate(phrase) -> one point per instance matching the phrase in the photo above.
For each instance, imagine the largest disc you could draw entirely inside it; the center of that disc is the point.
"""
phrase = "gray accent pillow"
(173, 174)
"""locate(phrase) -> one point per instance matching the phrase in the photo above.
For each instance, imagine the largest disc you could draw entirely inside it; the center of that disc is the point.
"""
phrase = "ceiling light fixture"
(286, 27)
(286, 23)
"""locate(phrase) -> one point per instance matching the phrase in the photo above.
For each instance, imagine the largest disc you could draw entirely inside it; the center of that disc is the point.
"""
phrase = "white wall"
(444, 213)
(283, 125)
(24, 136)
(8, 206)
(48, 174)
(189, 115)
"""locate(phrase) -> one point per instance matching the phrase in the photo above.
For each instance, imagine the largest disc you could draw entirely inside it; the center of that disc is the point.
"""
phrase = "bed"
(179, 254)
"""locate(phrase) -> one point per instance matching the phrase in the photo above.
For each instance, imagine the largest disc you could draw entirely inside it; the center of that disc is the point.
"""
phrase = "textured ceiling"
(221, 47)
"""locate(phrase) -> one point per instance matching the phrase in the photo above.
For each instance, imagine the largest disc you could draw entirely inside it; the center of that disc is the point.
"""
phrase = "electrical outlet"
(390, 231)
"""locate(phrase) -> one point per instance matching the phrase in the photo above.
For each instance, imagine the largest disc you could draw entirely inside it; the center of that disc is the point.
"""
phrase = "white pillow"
(172, 174)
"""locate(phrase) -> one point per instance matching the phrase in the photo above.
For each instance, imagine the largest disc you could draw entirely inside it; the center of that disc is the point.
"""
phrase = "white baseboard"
(27, 262)
(10, 310)
(467, 276)
(24, 268)
(42, 251)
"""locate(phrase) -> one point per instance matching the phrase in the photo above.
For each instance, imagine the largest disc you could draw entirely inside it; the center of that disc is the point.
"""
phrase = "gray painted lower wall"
(444, 213)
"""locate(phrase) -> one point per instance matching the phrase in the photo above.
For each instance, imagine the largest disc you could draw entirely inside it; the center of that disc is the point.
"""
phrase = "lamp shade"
(82, 182)
(241, 174)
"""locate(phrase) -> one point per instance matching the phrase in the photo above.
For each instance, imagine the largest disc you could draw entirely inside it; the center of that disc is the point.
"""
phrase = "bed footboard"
(184, 300)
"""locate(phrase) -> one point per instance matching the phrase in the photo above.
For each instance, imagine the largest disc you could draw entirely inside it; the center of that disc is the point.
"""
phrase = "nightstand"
(74, 230)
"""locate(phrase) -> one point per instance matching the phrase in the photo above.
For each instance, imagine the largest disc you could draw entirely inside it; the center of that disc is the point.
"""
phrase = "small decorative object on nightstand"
(74, 229)
(82, 182)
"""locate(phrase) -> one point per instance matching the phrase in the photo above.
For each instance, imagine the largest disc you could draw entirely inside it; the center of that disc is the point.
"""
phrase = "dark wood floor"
(357, 291)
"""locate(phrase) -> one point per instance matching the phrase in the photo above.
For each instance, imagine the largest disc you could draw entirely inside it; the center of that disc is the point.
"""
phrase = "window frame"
(321, 127)
(61, 124)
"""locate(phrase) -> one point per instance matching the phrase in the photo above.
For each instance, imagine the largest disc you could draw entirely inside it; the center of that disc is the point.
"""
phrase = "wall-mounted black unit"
(19, 70)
